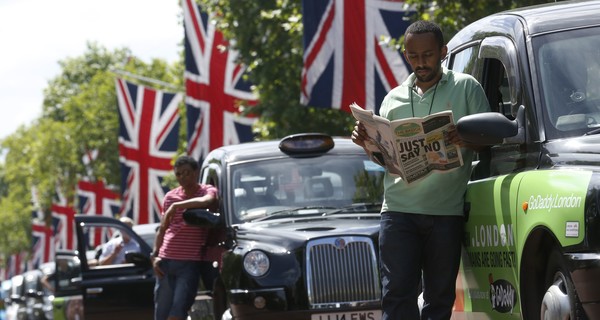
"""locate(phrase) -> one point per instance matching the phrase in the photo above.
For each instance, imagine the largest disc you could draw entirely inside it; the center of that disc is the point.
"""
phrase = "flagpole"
(142, 78)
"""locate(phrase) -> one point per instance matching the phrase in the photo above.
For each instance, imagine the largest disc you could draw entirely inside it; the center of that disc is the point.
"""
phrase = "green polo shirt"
(440, 193)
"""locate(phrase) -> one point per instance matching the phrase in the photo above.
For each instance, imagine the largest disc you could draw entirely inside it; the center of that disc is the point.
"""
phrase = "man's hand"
(359, 134)
(168, 216)
(156, 266)
(453, 136)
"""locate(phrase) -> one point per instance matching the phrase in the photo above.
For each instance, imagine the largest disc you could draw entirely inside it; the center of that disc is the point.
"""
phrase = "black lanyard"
(432, 98)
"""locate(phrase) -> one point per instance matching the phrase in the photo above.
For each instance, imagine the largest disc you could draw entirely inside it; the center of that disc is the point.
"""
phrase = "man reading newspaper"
(422, 223)
(414, 147)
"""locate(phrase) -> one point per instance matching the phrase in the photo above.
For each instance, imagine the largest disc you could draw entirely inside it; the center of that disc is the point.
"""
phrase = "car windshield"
(303, 186)
(568, 65)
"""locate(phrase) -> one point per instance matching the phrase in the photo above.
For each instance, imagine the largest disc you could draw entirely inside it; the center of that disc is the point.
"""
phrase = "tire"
(560, 299)
(226, 315)
(219, 298)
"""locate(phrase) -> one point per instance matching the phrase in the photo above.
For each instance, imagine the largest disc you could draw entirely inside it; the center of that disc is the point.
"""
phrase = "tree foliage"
(79, 114)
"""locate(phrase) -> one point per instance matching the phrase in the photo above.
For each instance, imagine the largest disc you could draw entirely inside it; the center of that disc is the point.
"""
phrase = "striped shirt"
(182, 241)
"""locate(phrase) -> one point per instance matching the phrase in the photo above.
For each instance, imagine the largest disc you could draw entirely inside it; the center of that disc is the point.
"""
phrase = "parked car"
(147, 232)
(36, 297)
(302, 219)
(531, 243)
(5, 289)
(47, 270)
(121, 291)
(17, 309)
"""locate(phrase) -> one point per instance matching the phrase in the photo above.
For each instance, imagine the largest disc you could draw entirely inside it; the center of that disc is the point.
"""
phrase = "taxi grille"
(342, 271)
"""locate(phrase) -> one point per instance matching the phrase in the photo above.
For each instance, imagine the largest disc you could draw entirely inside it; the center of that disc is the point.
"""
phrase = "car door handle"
(93, 290)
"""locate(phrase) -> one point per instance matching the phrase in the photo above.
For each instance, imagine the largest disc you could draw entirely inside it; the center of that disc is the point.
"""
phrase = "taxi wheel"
(219, 299)
(560, 300)
(227, 315)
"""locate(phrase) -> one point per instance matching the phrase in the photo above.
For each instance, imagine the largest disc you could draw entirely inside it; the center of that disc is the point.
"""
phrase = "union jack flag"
(214, 84)
(148, 137)
(95, 198)
(42, 243)
(63, 221)
(16, 264)
(344, 58)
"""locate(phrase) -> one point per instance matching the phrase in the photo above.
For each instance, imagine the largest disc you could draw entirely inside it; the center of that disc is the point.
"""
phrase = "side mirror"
(138, 259)
(489, 128)
(202, 218)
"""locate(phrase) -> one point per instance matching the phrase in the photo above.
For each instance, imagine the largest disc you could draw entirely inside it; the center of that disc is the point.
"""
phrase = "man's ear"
(444, 52)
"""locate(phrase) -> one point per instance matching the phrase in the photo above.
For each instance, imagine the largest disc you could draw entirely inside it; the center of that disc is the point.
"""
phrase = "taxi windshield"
(568, 65)
(318, 184)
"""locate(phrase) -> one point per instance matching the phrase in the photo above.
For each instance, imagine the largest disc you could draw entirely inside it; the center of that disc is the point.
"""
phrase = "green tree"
(15, 202)
(79, 114)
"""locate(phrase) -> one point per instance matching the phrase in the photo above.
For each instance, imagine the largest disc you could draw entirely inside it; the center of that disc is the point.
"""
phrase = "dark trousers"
(412, 246)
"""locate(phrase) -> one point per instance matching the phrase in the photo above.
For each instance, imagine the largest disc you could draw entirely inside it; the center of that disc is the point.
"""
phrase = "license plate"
(350, 315)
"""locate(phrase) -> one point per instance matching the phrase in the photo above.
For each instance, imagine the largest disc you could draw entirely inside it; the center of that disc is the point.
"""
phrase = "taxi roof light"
(306, 143)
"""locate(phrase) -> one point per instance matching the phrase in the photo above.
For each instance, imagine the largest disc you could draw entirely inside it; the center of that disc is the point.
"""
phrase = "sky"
(36, 34)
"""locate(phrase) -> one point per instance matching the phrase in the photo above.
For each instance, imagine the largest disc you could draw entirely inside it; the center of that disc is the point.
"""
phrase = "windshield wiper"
(593, 132)
(356, 208)
(291, 212)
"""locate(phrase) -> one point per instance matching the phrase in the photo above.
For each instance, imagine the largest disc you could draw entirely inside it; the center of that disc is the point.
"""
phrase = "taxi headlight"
(256, 263)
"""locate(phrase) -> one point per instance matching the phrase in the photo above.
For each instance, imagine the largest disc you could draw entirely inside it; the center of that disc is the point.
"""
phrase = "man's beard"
(429, 77)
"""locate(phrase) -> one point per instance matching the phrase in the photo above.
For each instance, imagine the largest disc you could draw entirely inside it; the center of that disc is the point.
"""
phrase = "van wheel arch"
(561, 298)
(532, 274)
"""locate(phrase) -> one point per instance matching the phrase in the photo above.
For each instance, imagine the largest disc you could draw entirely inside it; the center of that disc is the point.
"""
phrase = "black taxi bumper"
(272, 304)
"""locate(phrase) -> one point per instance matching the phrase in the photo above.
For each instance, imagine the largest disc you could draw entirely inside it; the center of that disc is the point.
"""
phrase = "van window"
(465, 61)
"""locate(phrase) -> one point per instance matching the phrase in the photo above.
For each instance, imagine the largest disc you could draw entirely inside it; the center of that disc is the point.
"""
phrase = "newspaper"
(411, 148)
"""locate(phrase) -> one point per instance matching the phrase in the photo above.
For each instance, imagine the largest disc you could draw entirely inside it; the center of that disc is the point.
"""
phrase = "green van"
(532, 242)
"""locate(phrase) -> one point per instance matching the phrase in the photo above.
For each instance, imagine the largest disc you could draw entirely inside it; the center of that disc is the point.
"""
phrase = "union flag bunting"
(16, 264)
(345, 59)
(148, 136)
(42, 243)
(95, 198)
(214, 84)
(63, 220)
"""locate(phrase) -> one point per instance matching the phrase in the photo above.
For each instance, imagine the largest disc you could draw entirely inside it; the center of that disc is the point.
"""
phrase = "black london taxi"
(86, 290)
(302, 221)
(532, 242)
